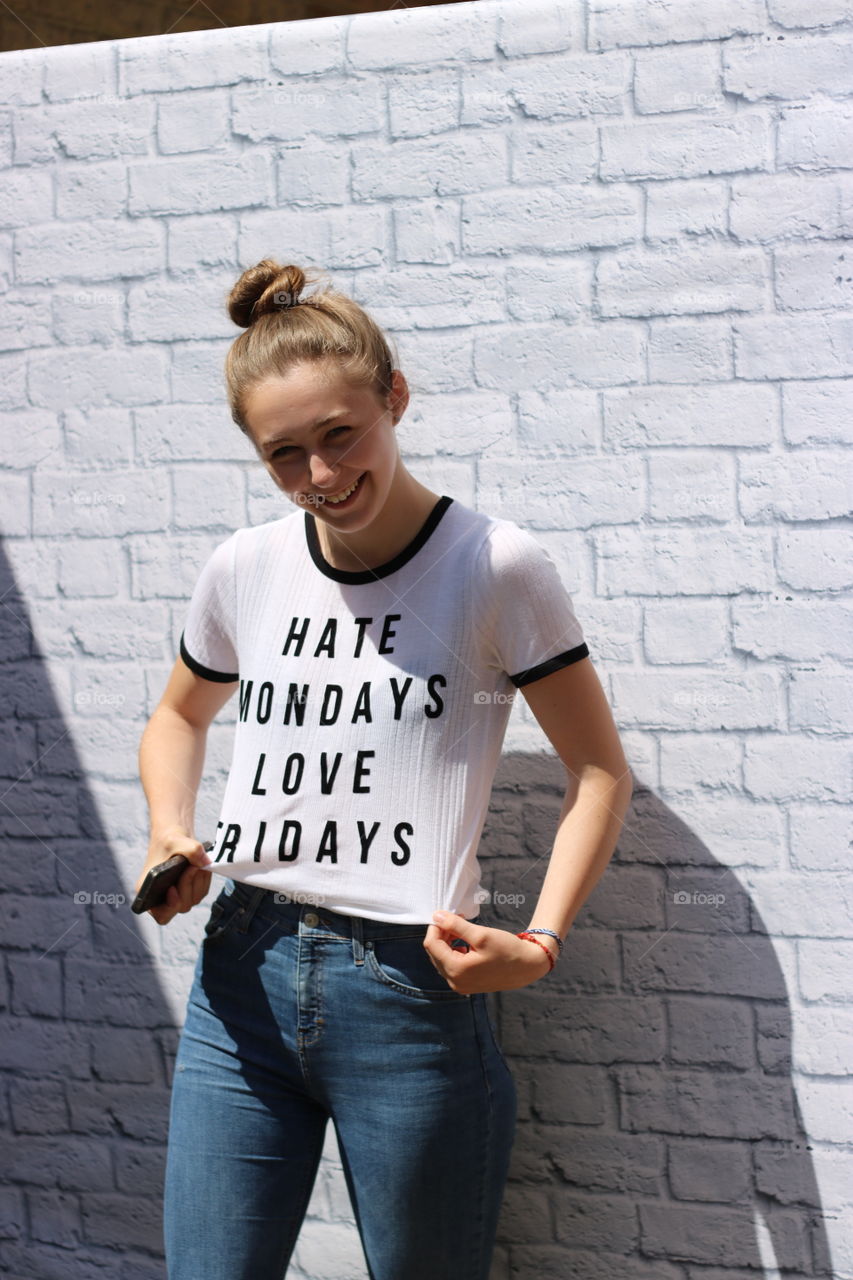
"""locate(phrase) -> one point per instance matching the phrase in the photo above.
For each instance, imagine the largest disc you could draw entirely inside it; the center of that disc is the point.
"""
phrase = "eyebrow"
(322, 422)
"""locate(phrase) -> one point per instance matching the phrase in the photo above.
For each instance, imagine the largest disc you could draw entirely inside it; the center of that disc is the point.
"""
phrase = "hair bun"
(265, 288)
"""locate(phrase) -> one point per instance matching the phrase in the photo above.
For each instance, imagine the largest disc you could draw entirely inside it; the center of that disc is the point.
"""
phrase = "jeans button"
(312, 919)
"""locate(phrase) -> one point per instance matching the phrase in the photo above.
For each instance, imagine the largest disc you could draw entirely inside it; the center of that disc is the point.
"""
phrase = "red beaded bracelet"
(547, 950)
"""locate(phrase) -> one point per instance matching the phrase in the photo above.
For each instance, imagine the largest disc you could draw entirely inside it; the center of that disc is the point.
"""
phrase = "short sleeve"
(209, 639)
(523, 612)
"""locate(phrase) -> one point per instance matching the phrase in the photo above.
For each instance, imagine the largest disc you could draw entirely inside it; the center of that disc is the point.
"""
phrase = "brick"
(191, 433)
(686, 206)
(695, 1233)
(192, 121)
(93, 250)
(422, 297)
(766, 67)
(814, 276)
(168, 567)
(701, 1103)
(821, 702)
(705, 964)
(823, 966)
(593, 492)
(24, 196)
(546, 88)
(446, 166)
(171, 62)
(684, 78)
(567, 153)
(85, 316)
(28, 439)
(80, 71)
(306, 48)
(99, 504)
(480, 423)
(815, 559)
(93, 378)
(682, 562)
(91, 129)
(400, 38)
(782, 907)
(640, 22)
(794, 486)
(795, 630)
(91, 568)
(190, 310)
(550, 356)
(689, 350)
(670, 281)
(427, 231)
(817, 413)
(734, 414)
(822, 772)
(715, 1171)
(597, 1030)
(816, 135)
(686, 149)
(679, 632)
(773, 206)
(546, 26)
(549, 219)
(691, 486)
(799, 13)
(208, 183)
(711, 1033)
(208, 240)
(341, 239)
(423, 104)
(293, 112)
(315, 175)
(808, 346)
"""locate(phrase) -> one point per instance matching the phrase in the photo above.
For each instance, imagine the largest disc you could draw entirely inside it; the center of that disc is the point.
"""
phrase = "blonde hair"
(284, 329)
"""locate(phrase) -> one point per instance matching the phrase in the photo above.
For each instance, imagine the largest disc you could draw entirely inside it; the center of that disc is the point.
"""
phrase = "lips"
(345, 501)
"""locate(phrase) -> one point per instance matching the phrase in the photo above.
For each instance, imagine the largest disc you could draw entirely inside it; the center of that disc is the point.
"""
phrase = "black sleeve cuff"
(205, 672)
(553, 664)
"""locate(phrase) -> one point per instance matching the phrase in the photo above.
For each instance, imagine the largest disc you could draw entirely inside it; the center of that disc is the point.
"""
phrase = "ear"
(398, 399)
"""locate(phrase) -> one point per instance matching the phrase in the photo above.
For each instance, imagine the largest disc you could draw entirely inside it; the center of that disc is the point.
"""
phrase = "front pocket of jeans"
(223, 913)
(404, 964)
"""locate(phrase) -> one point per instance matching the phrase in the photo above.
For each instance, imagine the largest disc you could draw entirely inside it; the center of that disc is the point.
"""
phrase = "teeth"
(339, 497)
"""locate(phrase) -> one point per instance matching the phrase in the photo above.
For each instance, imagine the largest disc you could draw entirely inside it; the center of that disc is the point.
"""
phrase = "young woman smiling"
(376, 636)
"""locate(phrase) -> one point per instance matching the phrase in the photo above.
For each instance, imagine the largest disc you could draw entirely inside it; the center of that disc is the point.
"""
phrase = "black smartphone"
(153, 890)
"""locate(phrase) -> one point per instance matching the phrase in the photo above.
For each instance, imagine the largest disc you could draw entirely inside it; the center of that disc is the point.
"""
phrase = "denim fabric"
(298, 1014)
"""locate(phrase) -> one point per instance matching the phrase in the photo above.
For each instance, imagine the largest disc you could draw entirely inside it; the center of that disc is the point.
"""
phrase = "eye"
(286, 449)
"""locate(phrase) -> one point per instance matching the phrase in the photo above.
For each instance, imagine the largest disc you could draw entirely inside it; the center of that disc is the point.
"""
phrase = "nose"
(323, 474)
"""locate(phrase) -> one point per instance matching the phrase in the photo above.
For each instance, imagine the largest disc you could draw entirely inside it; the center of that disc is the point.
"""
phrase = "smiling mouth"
(340, 498)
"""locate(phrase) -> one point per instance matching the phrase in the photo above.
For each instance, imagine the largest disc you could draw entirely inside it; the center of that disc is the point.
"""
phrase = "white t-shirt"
(372, 705)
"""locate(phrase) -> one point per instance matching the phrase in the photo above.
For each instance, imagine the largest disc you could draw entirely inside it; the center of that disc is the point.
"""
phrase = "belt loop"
(357, 939)
(246, 913)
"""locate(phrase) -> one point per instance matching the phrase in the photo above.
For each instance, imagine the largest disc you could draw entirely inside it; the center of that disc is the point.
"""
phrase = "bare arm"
(171, 759)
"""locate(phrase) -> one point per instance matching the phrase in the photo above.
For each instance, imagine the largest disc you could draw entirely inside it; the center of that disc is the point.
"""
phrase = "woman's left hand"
(496, 960)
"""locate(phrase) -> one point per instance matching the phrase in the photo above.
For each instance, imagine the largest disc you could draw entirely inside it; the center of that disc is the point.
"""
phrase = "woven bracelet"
(541, 945)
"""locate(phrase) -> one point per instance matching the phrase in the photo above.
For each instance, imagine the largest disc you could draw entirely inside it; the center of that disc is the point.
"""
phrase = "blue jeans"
(297, 1014)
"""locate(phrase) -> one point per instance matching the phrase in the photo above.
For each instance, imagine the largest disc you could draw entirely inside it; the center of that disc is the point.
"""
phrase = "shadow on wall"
(657, 1116)
(656, 1112)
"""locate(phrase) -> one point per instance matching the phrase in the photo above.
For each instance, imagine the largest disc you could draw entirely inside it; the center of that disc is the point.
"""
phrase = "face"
(314, 464)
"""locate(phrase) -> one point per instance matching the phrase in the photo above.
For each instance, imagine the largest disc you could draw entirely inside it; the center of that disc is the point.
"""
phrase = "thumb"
(456, 926)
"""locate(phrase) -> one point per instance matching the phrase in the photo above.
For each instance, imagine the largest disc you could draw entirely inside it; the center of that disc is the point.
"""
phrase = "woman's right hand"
(193, 882)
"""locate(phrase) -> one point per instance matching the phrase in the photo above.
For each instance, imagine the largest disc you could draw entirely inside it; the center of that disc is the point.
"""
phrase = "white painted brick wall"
(610, 240)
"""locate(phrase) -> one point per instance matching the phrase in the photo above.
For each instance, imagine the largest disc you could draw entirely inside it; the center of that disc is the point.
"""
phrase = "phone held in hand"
(155, 886)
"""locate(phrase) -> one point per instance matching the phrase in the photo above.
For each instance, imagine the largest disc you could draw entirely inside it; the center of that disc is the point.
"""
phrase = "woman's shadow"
(658, 1125)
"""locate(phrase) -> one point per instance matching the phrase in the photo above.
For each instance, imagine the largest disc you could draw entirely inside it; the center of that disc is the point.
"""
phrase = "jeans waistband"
(310, 916)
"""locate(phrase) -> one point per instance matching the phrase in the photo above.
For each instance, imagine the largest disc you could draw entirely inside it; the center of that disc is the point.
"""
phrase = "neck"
(405, 511)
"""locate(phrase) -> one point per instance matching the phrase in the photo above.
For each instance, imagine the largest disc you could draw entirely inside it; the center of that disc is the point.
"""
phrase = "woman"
(374, 637)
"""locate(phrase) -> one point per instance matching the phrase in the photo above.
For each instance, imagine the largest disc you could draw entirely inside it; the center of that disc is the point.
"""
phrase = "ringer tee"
(372, 704)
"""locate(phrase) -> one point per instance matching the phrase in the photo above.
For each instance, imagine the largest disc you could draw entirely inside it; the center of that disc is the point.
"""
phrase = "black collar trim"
(382, 570)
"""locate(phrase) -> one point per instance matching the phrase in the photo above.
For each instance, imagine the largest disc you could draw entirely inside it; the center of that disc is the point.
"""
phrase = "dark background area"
(31, 24)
